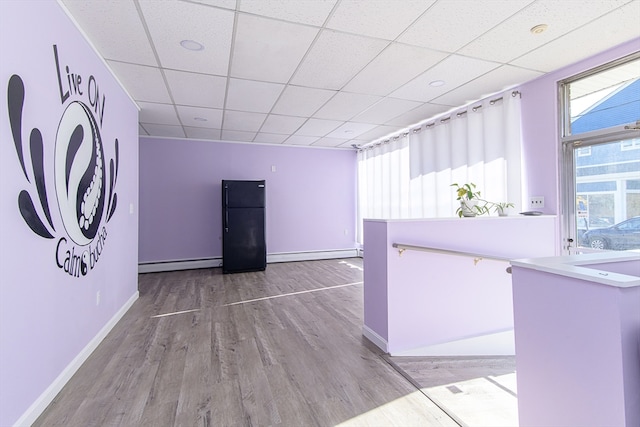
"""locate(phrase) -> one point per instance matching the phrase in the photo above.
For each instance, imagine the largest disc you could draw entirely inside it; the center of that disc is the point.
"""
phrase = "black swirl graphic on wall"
(15, 101)
(113, 174)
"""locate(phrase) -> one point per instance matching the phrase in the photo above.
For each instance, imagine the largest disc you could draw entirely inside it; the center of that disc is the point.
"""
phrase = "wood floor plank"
(282, 347)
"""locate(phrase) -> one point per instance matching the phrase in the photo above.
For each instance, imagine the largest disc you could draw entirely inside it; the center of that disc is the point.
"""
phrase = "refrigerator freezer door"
(244, 246)
(243, 194)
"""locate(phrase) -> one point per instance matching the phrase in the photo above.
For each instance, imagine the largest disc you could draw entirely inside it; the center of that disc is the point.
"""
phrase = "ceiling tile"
(381, 19)
(227, 4)
(449, 25)
(395, 66)
(270, 138)
(164, 114)
(301, 140)
(494, 81)
(385, 110)
(177, 21)
(301, 101)
(281, 124)
(318, 127)
(248, 95)
(329, 142)
(417, 115)
(498, 43)
(335, 58)
(269, 50)
(312, 12)
(351, 130)
(621, 25)
(202, 133)
(237, 135)
(164, 130)
(192, 116)
(238, 120)
(120, 35)
(379, 132)
(195, 89)
(455, 70)
(143, 83)
(345, 105)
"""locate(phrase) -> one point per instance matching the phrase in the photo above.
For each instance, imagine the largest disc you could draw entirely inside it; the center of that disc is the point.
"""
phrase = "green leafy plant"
(470, 200)
(501, 208)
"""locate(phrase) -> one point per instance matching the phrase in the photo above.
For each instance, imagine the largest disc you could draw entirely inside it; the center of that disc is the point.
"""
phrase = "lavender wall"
(540, 126)
(47, 317)
(310, 196)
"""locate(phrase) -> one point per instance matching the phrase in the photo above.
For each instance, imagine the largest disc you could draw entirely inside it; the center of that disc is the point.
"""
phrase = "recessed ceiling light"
(191, 45)
(437, 83)
(539, 29)
(200, 119)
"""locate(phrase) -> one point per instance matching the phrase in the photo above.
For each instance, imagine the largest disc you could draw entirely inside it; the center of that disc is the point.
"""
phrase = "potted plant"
(501, 208)
(470, 202)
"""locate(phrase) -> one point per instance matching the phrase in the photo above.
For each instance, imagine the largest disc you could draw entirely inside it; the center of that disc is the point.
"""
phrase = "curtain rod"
(404, 133)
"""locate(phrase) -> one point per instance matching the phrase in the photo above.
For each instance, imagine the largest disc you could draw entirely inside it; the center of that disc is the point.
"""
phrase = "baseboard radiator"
(192, 264)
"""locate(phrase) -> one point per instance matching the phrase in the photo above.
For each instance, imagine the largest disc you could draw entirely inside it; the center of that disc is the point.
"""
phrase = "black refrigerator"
(243, 226)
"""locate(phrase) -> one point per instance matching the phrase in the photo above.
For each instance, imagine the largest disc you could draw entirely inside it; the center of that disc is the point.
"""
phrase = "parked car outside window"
(621, 236)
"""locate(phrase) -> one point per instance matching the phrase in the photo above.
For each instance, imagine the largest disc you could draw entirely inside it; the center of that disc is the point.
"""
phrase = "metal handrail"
(476, 257)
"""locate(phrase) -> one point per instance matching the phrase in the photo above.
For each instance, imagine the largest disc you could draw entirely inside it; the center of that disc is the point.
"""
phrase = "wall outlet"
(98, 298)
(536, 202)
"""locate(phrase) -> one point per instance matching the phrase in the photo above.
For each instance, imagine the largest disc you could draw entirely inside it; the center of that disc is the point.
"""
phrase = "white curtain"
(411, 176)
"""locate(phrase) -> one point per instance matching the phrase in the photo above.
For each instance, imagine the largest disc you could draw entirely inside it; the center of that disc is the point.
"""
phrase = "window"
(583, 151)
(601, 157)
(632, 144)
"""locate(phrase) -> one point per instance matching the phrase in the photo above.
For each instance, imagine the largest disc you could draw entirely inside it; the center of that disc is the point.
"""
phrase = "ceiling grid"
(333, 73)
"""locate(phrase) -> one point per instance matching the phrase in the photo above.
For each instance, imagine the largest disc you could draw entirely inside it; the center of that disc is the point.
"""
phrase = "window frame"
(569, 143)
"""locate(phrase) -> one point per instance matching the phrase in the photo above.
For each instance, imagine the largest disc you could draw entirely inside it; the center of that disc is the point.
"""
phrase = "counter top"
(585, 267)
(468, 220)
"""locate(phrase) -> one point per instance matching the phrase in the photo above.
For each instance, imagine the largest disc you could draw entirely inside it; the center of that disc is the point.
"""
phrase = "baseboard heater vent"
(193, 264)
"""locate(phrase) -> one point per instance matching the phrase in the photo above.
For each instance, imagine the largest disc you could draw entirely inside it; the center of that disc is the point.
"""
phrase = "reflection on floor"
(474, 391)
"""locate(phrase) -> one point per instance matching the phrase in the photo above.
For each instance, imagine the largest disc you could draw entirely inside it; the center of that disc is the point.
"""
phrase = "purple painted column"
(577, 342)
(375, 283)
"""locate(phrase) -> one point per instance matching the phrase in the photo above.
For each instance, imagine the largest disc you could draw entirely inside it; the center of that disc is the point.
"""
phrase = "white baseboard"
(191, 264)
(311, 255)
(41, 403)
(372, 336)
(156, 267)
(500, 343)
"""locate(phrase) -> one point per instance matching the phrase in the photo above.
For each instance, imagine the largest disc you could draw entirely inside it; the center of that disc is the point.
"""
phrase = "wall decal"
(78, 170)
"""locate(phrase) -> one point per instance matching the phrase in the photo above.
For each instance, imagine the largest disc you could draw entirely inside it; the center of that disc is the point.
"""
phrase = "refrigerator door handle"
(226, 209)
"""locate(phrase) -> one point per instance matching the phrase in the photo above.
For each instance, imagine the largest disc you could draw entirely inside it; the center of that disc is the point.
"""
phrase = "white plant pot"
(467, 207)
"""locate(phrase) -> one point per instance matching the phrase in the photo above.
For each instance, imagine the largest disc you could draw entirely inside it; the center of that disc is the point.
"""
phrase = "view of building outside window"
(607, 175)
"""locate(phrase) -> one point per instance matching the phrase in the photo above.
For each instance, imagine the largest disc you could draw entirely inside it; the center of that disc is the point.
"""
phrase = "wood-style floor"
(474, 390)
(279, 347)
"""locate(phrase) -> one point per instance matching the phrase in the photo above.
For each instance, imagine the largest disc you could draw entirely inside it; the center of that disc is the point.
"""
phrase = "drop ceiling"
(333, 73)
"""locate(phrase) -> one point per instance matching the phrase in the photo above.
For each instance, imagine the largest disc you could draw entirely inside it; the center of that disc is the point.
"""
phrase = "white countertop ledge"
(584, 267)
